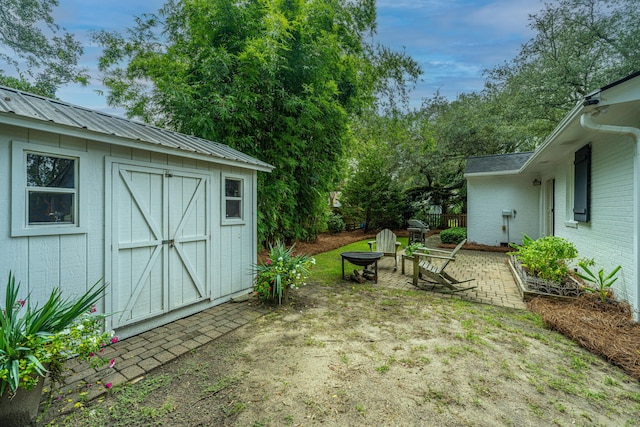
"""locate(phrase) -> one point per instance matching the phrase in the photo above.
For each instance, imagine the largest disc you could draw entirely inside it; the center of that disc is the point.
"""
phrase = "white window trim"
(19, 200)
(224, 198)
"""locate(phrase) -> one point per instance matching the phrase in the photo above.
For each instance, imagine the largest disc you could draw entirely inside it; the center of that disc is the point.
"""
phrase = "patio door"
(159, 241)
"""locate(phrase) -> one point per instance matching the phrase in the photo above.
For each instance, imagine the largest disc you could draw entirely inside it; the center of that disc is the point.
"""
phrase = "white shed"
(167, 219)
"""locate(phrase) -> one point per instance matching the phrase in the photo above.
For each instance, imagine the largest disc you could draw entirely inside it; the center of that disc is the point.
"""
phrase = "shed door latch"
(170, 242)
(168, 174)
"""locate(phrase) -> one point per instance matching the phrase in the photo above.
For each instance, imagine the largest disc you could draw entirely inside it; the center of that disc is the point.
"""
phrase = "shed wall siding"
(235, 243)
(609, 237)
(488, 196)
(41, 263)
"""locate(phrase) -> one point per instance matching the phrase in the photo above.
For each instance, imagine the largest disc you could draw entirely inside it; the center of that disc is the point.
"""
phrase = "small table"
(362, 259)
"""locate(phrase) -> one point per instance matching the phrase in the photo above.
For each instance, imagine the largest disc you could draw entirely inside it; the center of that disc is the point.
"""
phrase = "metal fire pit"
(362, 259)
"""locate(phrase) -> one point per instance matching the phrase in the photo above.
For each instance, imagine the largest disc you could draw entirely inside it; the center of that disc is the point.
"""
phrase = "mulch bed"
(606, 329)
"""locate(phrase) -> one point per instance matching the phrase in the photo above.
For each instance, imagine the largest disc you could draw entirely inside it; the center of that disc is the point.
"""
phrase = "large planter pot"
(22, 409)
(531, 287)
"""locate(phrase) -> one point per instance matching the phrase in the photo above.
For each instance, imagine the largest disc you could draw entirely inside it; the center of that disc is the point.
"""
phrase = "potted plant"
(35, 341)
(281, 272)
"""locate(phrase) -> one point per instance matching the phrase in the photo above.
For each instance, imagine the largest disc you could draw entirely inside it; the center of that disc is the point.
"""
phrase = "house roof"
(16, 107)
(496, 164)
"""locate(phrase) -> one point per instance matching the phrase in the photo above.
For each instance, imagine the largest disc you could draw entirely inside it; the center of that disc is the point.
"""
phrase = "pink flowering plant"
(281, 272)
(35, 341)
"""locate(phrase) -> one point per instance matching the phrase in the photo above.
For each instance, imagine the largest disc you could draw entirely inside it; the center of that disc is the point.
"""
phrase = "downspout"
(587, 123)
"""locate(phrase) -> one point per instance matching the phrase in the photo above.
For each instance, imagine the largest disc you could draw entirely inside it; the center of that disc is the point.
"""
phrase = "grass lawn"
(328, 268)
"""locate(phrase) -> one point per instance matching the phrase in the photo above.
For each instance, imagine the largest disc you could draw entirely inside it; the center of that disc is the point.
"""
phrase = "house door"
(549, 206)
(159, 241)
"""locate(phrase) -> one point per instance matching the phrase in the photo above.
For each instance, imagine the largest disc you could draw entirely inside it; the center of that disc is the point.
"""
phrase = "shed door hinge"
(168, 174)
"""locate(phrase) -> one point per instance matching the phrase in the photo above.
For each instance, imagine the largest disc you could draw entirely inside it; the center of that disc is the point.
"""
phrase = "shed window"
(51, 189)
(45, 190)
(582, 184)
(233, 197)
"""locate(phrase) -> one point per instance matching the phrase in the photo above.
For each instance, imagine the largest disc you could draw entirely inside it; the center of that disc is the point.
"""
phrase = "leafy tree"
(44, 55)
(372, 193)
(277, 79)
(579, 46)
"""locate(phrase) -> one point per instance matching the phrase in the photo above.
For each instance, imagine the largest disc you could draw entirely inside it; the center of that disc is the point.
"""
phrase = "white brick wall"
(609, 236)
(488, 196)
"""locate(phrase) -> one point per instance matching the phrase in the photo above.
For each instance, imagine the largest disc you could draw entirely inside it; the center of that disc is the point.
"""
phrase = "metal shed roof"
(496, 164)
(35, 107)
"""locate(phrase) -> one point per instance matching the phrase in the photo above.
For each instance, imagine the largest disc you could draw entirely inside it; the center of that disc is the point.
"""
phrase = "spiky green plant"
(280, 272)
(32, 337)
(601, 284)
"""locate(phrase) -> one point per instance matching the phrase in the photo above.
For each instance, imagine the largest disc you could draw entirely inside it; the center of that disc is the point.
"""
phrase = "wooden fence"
(444, 221)
(435, 221)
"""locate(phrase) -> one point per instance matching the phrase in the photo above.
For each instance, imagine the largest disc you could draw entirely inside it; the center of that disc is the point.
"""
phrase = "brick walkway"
(136, 356)
(493, 280)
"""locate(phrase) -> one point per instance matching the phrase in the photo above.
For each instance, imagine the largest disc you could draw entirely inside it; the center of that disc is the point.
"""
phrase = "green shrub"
(335, 223)
(453, 235)
(546, 257)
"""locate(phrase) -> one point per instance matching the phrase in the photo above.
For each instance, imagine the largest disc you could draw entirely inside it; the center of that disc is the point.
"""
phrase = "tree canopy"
(276, 79)
(42, 53)
(579, 46)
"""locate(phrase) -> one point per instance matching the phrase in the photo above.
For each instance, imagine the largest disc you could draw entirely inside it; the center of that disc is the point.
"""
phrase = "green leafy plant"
(335, 223)
(36, 340)
(601, 283)
(416, 247)
(280, 272)
(545, 257)
(453, 235)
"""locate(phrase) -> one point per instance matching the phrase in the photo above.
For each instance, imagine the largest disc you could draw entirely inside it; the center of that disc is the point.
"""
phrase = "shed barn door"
(160, 240)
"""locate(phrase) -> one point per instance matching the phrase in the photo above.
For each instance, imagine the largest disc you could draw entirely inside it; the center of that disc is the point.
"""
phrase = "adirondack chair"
(432, 271)
(387, 243)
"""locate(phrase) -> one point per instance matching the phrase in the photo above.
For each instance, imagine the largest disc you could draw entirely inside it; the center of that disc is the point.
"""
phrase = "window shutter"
(582, 184)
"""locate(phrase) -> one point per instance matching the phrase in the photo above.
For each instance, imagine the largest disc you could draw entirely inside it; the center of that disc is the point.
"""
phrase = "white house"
(167, 219)
(582, 183)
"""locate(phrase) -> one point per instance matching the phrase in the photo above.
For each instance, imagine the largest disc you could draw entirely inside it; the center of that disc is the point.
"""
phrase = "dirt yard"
(365, 355)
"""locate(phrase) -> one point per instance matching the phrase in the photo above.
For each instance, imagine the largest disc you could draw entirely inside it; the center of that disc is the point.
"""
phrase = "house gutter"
(587, 123)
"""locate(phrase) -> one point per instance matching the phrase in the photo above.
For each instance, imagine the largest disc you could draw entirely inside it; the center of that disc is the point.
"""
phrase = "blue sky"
(452, 40)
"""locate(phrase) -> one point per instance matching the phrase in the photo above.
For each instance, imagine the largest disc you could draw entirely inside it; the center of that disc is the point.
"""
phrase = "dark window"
(233, 198)
(582, 184)
(51, 189)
